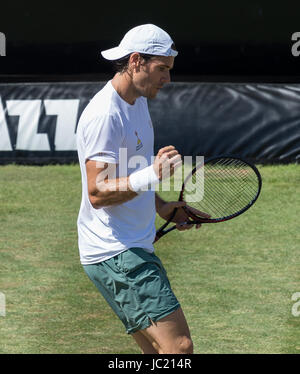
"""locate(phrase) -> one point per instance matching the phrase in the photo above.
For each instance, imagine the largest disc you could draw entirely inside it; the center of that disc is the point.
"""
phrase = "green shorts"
(136, 286)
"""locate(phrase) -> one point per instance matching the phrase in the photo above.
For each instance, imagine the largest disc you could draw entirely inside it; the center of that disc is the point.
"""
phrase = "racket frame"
(198, 220)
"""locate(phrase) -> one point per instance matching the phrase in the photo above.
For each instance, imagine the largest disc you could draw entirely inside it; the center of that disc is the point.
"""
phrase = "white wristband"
(144, 179)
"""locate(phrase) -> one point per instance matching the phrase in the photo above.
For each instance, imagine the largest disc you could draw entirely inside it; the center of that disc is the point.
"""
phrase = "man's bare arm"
(104, 191)
(159, 202)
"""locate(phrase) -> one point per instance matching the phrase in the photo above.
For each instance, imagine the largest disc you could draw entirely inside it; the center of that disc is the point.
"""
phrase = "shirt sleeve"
(103, 138)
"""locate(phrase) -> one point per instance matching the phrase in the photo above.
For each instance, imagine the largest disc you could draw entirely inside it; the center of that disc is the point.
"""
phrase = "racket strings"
(229, 186)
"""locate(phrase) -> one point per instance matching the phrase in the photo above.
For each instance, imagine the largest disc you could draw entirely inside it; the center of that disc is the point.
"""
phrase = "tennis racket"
(229, 187)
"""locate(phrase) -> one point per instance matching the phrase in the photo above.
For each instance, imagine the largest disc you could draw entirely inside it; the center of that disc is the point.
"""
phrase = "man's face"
(152, 75)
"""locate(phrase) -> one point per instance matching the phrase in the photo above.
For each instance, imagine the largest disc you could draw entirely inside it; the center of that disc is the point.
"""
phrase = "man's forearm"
(112, 192)
(159, 202)
(118, 191)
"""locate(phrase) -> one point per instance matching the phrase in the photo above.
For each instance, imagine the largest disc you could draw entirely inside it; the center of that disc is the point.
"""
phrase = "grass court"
(235, 280)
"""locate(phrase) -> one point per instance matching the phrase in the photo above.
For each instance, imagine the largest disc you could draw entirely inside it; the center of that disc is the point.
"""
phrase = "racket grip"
(159, 234)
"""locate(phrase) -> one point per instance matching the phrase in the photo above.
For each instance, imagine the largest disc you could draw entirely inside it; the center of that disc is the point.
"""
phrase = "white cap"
(148, 39)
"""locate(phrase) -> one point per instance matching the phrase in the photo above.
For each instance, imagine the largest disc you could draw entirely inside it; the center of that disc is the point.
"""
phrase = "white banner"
(29, 113)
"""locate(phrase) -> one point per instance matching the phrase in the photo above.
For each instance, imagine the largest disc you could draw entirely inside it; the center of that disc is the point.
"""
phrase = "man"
(117, 214)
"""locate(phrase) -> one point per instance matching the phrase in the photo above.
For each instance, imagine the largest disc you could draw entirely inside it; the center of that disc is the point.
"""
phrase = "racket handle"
(170, 229)
(159, 234)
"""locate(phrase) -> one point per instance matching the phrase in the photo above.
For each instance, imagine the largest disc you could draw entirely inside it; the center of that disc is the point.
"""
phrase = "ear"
(135, 60)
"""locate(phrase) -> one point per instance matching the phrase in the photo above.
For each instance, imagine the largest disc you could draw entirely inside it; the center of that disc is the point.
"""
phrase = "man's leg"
(170, 335)
(144, 343)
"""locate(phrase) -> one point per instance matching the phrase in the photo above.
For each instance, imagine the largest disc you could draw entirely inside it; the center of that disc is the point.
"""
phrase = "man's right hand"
(166, 162)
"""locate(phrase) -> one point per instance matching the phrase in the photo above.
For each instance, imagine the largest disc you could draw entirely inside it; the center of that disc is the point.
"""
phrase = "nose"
(166, 77)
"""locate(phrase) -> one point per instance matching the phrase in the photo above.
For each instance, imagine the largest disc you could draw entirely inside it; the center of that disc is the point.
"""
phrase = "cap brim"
(173, 53)
(114, 53)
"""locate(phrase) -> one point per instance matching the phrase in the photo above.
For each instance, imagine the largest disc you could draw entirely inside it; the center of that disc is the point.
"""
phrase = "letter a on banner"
(5, 144)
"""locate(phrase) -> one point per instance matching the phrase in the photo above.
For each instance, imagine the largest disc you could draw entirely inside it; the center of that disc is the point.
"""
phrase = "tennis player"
(116, 222)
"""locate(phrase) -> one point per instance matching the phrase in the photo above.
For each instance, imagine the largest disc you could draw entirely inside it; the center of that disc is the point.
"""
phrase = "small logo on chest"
(139, 143)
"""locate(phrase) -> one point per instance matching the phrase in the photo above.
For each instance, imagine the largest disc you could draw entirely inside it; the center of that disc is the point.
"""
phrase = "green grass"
(234, 280)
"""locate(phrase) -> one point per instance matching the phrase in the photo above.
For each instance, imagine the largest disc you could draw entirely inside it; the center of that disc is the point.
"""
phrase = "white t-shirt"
(109, 124)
